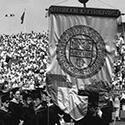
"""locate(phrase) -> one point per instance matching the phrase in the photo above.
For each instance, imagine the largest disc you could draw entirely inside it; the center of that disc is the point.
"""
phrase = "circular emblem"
(81, 51)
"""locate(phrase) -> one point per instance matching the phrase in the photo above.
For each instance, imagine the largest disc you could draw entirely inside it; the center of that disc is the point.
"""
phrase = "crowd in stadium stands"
(23, 59)
(118, 80)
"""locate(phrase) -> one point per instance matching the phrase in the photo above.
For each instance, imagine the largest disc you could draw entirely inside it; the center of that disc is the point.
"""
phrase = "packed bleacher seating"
(23, 59)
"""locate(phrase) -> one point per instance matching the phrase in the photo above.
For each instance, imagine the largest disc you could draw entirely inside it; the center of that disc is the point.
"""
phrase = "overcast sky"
(35, 13)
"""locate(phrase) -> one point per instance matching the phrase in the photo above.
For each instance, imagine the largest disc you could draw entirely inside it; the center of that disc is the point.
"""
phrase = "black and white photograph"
(62, 62)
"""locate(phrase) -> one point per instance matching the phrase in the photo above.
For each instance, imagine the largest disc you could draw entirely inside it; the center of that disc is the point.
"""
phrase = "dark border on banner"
(84, 11)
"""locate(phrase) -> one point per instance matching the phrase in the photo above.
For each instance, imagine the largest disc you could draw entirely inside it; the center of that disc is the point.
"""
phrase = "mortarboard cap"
(36, 93)
(5, 97)
(14, 90)
(1, 93)
(26, 94)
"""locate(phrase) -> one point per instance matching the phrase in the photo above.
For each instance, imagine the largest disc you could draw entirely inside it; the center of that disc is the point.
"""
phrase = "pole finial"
(83, 2)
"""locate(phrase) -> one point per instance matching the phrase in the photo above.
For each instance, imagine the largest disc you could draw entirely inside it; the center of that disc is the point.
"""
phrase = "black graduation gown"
(48, 115)
(29, 116)
(15, 110)
(53, 117)
(90, 120)
(2, 117)
(107, 112)
(5, 118)
(41, 116)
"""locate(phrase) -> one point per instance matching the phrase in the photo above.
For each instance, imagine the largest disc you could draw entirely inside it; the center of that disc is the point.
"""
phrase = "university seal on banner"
(81, 51)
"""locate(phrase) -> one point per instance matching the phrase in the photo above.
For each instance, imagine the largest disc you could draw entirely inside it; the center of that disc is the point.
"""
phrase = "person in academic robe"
(15, 108)
(52, 112)
(28, 111)
(4, 114)
(46, 110)
(107, 110)
(2, 117)
(92, 117)
(40, 111)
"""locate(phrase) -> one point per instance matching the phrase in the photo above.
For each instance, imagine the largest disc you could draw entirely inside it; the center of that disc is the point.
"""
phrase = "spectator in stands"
(117, 107)
(23, 58)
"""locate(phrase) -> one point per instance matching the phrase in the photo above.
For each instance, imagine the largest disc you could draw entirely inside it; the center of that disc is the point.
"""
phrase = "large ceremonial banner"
(81, 48)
